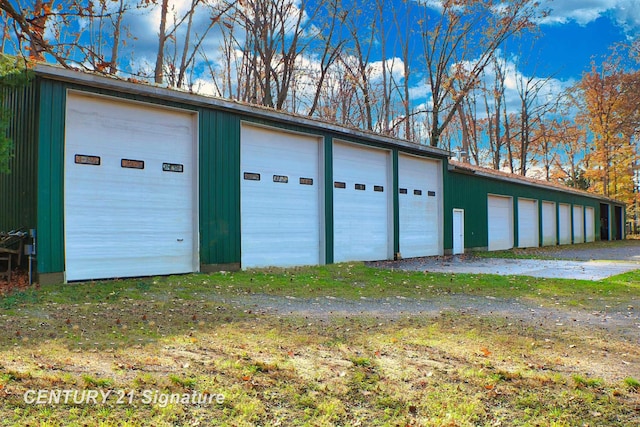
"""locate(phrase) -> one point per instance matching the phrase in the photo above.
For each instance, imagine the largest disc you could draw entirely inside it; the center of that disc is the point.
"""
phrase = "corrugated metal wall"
(18, 188)
(469, 192)
(50, 177)
(219, 188)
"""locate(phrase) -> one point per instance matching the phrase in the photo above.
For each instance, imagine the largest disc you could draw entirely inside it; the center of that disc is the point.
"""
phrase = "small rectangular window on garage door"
(172, 167)
(339, 184)
(83, 159)
(417, 192)
(132, 164)
(378, 188)
(283, 179)
(360, 187)
(306, 181)
(403, 191)
(251, 176)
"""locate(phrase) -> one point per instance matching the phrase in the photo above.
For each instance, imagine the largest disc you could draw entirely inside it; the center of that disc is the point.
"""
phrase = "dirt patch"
(623, 319)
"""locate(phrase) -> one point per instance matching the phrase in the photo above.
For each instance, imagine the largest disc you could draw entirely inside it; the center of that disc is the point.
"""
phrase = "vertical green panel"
(204, 173)
(219, 188)
(228, 177)
(447, 221)
(57, 177)
(557, 223)
(396, 203)
(18, 188)
(44, 189)
(573, 237)
(50, 177)
(328, 199)
(516, 222)
(540, 222)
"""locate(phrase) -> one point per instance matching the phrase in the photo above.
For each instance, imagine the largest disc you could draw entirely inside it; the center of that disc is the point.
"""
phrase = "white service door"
(578, 224)
(280, 198)
(549, 227)
(361, 203)
(528, 231)
(134, 213)
(564, 217)
(590, 224)
(500, 217)
(458, 231)
(419, 206)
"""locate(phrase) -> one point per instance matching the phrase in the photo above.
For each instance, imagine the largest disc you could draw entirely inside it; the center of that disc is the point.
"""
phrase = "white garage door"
(130, 204)
(578, 224)
(280, 198)
(549, 227)
(361, 203)
(500, 216)
(564, 217)
(420, 206)
(590, 224)
(528, 231)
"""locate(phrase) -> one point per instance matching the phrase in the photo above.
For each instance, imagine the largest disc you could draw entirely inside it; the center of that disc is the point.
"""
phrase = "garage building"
(121, 179)
(504, 211)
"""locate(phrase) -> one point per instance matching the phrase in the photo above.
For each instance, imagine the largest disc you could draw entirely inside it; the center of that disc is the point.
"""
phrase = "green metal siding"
(396, 204)
(219, 187)
(469, 192)
(18, 189)
(328, 199)
(50, 177)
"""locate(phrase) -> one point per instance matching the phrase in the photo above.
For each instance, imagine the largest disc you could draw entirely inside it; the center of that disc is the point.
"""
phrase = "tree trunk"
(159, 74)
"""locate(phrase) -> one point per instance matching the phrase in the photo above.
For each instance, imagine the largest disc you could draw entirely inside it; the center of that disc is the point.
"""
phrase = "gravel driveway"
(582, 262)
(629, 250)
(624, 318)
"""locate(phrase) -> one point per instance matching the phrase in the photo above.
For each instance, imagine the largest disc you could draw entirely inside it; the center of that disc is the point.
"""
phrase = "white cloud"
(626, 13)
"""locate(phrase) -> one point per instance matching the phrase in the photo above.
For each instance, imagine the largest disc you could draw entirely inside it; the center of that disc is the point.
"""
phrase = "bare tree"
(494, 97)
(533, 107)
(331, 46)
(162, 38)
(356, 61)
(467, 32)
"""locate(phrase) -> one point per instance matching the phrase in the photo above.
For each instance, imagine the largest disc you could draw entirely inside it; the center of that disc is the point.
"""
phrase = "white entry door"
(458, 231)
(130, 199)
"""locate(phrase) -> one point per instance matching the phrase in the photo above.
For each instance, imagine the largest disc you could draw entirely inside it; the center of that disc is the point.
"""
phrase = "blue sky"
(575, 32)
(565, 50)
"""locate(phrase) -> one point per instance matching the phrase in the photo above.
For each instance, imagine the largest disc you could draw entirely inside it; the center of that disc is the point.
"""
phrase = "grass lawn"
(136, 344)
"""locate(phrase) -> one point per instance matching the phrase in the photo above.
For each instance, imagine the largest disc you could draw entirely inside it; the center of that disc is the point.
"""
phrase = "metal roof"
(459, 167)
(170, 94)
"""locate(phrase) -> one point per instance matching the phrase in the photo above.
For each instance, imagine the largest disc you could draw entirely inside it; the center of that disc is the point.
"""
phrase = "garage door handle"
(180, 240)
